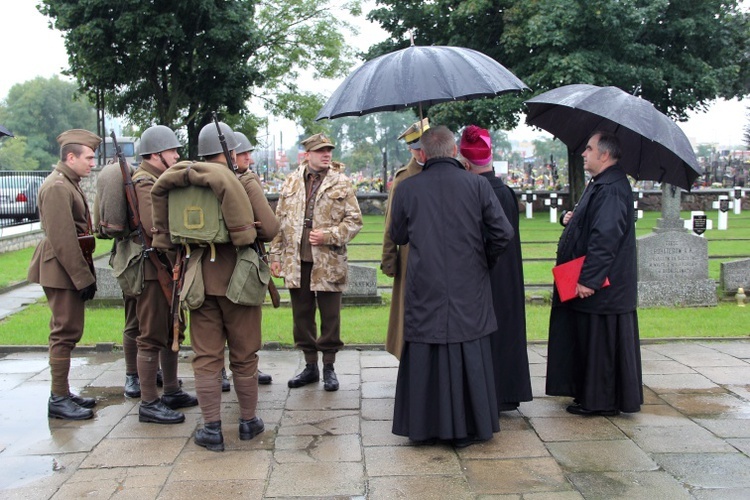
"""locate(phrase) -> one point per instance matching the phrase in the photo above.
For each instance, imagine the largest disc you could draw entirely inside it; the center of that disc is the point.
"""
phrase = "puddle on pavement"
(23, 470)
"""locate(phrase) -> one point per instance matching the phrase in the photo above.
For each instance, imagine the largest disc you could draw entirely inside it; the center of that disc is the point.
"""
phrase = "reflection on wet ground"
(691, 439)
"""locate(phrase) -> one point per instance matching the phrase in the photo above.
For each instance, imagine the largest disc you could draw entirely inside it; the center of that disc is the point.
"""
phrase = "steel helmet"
(244, 143)
(208, 139)
(157, 139)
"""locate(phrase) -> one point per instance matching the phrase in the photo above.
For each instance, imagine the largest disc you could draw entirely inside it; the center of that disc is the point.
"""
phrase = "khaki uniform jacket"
(147, 174)
(336, 212)
(393, 264)
(58, 261)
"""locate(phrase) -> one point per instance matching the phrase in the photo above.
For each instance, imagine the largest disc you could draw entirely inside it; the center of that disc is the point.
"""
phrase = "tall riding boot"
(247, 396)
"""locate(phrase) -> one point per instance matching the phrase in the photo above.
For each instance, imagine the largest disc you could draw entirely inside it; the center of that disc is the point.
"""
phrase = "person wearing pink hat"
(509, 356)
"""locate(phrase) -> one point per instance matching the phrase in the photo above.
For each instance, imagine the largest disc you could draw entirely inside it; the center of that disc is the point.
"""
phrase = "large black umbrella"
(419, 76)
(5, 131)
(653, 146)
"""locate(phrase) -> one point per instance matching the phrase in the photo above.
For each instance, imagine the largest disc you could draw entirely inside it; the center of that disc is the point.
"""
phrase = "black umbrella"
(653, 146)
(5, 131)
(418, 76)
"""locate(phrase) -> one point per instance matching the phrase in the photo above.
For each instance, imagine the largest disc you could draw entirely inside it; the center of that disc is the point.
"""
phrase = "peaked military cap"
(316, 142)
(79, 136)
(412, 134)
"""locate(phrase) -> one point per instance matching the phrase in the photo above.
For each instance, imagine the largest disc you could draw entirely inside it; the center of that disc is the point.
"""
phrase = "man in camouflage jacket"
(318, 215)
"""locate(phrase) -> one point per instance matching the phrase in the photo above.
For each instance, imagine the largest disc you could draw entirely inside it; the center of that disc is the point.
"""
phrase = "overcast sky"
(31, 49)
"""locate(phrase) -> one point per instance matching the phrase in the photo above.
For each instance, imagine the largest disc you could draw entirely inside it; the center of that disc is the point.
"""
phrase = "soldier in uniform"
(393, 261)
(219, 321)
(244, 168)
(319, 215)
(63, 266)
(159, 152)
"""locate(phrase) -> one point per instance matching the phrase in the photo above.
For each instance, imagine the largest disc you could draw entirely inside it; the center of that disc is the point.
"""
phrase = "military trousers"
(153, 312)
(305, 302)
(217, 322)
(66, 324)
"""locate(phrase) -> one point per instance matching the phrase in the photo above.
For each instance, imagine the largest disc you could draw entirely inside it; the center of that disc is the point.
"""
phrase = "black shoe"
(467, 441)
(507, 406)
(264, 378)
(179, 399)
(83, 402)
(132, 386)
(65, 408)
(577, 409)
(158, 413)
(330, 382)
(210, 436)
(160, 379)
(309, 375)
(251, 428)
(224, 381)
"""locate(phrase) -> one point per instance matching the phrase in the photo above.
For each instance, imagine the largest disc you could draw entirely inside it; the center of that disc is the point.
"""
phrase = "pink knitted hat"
(476, 145)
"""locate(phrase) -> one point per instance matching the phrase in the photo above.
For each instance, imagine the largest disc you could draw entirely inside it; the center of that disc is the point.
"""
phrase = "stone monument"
(672, 262)
(734, 275)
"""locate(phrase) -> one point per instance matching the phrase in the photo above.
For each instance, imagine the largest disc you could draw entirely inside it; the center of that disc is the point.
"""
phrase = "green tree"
(678, 55)
(14, 155)
(175, 62)
(42, 108)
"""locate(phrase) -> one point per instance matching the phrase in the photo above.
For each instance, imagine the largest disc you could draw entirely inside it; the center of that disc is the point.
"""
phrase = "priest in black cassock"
(509, 356)
(456, 229)
(594, 347)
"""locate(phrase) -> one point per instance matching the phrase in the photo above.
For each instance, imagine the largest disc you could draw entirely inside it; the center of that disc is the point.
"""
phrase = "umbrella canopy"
(653, 146)
(5, 131)
(419, 76)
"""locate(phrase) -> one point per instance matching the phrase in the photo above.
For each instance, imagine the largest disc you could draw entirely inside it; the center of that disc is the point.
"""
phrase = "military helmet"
(244, 143)
(208, 139)
(157, 139)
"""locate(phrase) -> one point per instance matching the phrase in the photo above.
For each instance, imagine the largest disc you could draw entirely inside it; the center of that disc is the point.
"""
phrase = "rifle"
(178, 279)
(257, 244)
(165, 280)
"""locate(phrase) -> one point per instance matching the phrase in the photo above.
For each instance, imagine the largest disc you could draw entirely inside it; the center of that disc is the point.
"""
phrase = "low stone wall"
(20, 241)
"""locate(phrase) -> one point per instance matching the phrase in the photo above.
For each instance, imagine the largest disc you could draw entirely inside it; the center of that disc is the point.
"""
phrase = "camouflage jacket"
(336, 213)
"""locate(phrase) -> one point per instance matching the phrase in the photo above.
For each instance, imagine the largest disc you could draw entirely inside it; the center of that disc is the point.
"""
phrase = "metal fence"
(18, 196)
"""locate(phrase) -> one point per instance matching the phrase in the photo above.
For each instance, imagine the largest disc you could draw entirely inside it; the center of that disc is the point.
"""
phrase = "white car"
(18, 196)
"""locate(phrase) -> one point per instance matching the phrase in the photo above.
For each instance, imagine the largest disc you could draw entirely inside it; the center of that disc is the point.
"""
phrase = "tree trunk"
(576, 179)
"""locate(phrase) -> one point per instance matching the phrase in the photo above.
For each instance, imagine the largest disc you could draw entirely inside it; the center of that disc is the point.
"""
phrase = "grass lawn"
(367, 325)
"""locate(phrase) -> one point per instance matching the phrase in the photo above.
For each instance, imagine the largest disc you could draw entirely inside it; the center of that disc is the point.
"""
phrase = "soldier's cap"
(476, 145)
(79, 136)
(316, 142)
(412, 134)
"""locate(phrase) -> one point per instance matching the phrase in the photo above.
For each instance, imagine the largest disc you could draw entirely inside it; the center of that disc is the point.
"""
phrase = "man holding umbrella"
(594, 350)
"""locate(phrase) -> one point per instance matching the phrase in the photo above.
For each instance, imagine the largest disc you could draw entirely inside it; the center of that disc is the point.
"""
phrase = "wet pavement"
(691, 439)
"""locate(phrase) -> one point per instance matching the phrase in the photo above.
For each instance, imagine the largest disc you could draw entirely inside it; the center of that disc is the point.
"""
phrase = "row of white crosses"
(698, 222)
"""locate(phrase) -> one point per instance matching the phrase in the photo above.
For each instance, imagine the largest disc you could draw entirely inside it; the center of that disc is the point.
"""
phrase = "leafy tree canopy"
(39, 110)
(14, 155)
(173, 63)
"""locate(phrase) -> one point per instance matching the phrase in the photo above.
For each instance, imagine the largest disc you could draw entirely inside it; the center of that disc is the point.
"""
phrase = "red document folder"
(566, 278)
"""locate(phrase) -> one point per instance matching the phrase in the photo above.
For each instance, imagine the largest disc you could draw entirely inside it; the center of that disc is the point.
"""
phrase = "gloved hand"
(88, 292)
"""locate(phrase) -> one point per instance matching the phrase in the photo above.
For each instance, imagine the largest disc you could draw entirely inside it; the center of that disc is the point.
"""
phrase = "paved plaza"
(691, 439)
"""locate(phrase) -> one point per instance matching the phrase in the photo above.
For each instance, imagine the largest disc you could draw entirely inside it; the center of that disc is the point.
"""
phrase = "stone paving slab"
(690, 440)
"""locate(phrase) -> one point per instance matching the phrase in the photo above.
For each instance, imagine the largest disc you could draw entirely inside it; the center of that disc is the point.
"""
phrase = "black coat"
(603, 229)
(442, 214)
(509, 356)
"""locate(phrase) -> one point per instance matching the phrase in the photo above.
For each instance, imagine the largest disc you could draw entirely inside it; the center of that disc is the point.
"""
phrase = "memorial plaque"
(699, 224)
(724, 205)
(554, 202)
(737, 193)
(529, 197)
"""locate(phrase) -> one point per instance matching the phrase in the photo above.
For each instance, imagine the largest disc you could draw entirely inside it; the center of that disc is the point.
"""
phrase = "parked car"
(18, 197)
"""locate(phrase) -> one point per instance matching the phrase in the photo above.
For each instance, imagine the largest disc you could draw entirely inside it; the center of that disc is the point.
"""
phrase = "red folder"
(566, 278)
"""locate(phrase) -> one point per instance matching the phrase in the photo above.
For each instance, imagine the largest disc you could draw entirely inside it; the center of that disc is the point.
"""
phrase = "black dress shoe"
(158, 413)
(577, 409)
(308, 376)
(507, 406)
(467, 441)
(251, 428)
(264, 378)
(83, 402)
(132, 386)
(160, 379)
(210, 437)
(179, 399)
(330, 382)
(65, 408)
(225, 386)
